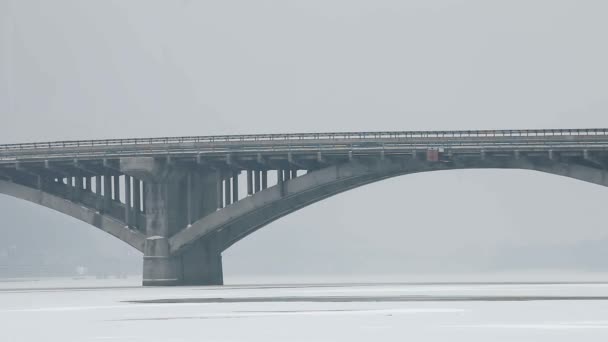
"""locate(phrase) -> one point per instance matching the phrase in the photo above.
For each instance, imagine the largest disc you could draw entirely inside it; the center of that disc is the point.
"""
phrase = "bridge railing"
(398, 135)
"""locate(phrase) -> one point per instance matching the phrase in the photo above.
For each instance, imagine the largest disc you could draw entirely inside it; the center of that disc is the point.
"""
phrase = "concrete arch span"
(237, 221)
(91, 216)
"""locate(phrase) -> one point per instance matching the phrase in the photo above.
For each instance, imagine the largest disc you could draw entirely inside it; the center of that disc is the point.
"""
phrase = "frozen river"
(119, 310)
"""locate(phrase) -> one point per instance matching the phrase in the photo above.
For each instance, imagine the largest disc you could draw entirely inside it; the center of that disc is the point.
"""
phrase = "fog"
(118, 69)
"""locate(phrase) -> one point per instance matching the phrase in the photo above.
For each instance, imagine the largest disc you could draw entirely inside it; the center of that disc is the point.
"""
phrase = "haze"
(118, 69)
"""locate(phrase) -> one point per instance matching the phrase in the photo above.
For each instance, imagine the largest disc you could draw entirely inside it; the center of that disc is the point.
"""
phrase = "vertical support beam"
(258, 181)
(144, 201)
(294, 173)
(76, 180)
(136, 200)
(190, 198)
(128, 200)
(287, 174)
(249, 182)
(98, 185)
(281, 181)
(116, 180)
(98, 192)
(207, 191)
(107, 192)
(235, 186)
(264, 179)
(228, 189)
(165, 217)
(137, 194)
(219, 190)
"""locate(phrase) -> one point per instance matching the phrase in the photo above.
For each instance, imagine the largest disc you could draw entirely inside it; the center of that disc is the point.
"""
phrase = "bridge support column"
(167, 203)
(202, 264)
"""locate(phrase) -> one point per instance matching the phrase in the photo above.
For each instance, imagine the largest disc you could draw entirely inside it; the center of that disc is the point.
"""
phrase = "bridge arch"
(85, 214)
(236, 222)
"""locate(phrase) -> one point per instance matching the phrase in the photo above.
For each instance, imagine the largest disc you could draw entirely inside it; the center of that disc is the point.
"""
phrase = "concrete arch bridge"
(184, 200)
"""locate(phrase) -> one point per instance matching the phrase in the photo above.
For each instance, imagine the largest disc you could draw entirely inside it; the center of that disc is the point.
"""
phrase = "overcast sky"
(100, 69)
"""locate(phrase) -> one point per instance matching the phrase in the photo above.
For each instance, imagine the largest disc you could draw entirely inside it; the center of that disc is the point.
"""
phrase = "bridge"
(183, 200)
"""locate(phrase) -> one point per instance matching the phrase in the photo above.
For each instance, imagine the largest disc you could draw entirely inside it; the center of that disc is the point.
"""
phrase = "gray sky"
(100, 69)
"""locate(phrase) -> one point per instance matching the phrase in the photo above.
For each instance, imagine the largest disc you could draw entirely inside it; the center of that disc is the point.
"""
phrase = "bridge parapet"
(281, 143)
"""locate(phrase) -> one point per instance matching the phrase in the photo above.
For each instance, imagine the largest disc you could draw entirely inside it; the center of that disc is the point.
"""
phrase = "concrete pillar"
(116, 181)
(220, 193)
(249, 182)
(98, 192)
(281, 181)
(136, 202)
(264, 179)
(77, 186)
(160, 267)
(201, 194)
(166, 199)
(143, 197)
(164, 217)
(206, 190)
(107, 192)
(235, 186)
(294, 173)
(190, 194)
(137, 195)
(128, 200)
(98, 185)
(202, 264)
(228, 189)
(258, 181)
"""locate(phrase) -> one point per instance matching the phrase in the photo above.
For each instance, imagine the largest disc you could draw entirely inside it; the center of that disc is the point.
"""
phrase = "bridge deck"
(392, 142)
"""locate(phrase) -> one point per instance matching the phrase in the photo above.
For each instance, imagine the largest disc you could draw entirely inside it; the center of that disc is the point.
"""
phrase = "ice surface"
(120, 310)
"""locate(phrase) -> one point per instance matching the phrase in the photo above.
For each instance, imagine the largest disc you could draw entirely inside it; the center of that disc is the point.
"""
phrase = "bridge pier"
(202, 264)
(175, 196)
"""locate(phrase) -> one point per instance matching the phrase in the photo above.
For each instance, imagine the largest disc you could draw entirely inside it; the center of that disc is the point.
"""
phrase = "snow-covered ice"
(120, 310)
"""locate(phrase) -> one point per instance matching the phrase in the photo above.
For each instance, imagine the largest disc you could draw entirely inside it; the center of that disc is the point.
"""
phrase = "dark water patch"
(236, 314)
(67, 289)
(286, 286)
(366, 299)
(411, 283)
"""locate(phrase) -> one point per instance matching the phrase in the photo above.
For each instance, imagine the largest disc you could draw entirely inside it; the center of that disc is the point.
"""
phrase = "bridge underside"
(182, 212)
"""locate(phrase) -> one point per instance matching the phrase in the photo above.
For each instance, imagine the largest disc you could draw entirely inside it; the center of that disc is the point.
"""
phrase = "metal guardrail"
(403, 135)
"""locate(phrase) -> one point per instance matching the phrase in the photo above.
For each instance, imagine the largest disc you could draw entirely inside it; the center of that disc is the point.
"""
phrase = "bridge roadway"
(184, 200)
